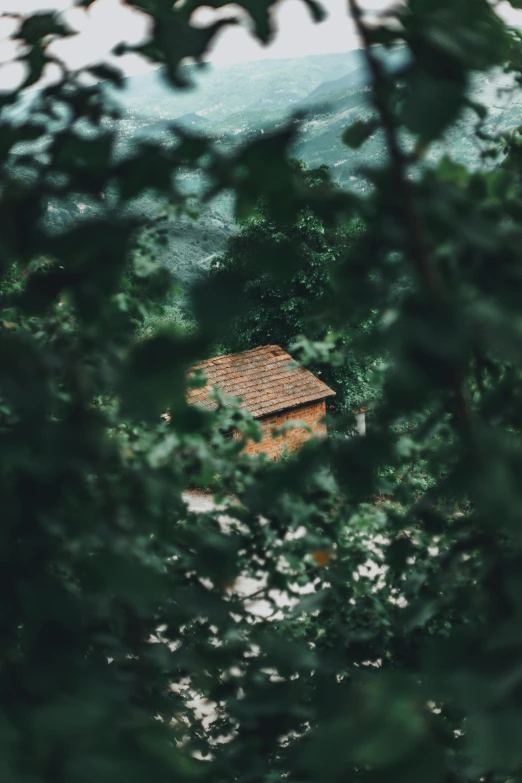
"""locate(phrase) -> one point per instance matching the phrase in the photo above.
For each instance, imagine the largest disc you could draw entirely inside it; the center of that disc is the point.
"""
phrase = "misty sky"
(107, 22)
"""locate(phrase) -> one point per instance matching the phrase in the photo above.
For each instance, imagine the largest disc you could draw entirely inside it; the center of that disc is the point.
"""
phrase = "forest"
(352, 612)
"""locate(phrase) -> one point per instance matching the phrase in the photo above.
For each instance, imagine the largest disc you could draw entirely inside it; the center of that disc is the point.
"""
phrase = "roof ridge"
(229, 356)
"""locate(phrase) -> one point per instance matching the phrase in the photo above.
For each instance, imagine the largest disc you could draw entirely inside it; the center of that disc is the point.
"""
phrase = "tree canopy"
(352, 613)
(287, 271)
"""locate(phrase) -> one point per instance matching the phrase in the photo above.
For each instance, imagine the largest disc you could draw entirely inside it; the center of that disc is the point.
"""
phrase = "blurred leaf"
(107, 73)
(359, 132)
(316, 9)
(432, 104)
(38, 26)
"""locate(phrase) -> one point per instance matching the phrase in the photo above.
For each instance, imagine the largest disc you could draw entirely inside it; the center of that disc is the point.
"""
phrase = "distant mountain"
(221, 91)
(238, 103)
(193, 121)
(331, 90)
(233, 104)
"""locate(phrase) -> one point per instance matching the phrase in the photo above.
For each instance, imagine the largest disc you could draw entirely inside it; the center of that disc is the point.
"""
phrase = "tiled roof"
(266, 379)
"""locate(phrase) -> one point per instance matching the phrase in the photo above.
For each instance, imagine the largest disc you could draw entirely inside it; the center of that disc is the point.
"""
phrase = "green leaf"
(43, 289)
(432, 104)
(107, 73)
(150, 167)
(382, 35)
(154, 378)
(359, 132)
(316, 9)
(14, 134)
(258, 10)
(36, 61)
(37, 26)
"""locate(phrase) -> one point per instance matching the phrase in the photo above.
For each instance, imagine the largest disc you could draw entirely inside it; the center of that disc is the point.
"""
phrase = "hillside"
(237, 103)
(218, 93)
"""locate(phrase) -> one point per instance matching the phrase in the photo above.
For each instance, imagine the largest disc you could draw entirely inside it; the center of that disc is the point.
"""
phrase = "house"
(274, 389)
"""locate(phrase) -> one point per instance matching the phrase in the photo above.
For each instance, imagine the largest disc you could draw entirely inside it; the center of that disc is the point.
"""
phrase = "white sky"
(107, 22)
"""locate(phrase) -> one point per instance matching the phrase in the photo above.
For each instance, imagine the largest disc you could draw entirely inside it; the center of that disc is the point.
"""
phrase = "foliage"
(287, 271)
(351, 613)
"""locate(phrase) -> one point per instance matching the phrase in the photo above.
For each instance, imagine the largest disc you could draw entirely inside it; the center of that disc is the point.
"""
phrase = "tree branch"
(419, 249)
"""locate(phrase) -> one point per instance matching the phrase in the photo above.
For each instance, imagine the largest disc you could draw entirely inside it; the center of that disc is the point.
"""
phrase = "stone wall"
(312, 414)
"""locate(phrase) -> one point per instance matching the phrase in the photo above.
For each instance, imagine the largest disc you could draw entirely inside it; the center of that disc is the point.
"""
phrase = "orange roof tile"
(266, 379)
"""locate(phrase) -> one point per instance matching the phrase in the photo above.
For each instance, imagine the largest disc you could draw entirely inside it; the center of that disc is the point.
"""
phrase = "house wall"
(312, 414)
